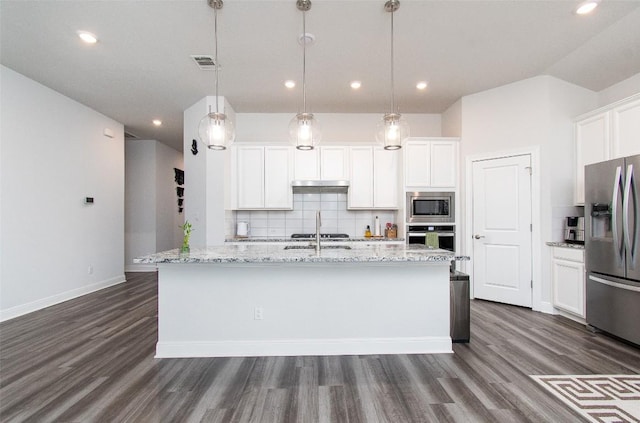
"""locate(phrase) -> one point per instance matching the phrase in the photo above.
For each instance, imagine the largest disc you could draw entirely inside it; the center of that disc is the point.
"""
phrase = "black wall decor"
(179, 178)
(194, 147)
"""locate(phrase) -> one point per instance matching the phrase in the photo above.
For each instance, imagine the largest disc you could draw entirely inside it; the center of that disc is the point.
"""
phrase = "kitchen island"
(289, 299)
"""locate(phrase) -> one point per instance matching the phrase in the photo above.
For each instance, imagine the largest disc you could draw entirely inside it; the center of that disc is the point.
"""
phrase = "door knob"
(478, 236)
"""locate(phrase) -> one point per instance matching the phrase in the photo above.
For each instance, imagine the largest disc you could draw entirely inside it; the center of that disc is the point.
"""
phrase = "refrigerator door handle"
(629, 196)
(614, 284)
(617, 187)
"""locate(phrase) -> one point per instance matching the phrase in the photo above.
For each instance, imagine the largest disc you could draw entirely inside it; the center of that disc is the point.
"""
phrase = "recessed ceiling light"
(87, 37)
(289, 83)
(421, 85)
(587, 7)
(157, 122)
(355, 84)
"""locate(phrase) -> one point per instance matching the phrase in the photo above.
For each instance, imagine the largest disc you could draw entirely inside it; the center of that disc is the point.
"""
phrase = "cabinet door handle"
(478, 236)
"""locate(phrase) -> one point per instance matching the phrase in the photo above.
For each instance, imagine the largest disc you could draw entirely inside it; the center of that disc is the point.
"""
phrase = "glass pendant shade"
(392, 130)
(304, 131)
(216, 131)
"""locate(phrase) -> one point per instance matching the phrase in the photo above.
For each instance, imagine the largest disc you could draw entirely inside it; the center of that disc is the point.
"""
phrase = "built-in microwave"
(430, 207)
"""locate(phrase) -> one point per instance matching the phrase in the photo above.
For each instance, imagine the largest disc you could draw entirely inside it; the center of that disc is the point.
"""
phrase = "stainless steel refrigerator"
(612, 235)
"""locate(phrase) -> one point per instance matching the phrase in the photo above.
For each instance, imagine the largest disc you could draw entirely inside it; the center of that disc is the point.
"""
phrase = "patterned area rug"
(599, 398)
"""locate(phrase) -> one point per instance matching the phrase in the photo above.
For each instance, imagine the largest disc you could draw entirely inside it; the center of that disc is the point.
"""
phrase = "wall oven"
(430, 207)
(417, 234)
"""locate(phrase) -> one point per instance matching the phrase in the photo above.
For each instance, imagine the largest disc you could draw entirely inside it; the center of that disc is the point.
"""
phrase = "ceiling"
(141, 67)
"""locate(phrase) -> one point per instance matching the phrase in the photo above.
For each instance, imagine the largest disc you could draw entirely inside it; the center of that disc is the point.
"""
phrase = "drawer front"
(570, 254)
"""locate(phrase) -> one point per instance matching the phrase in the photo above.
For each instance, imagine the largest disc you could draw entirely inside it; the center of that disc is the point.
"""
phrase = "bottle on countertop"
(367, 232)
(376, 227)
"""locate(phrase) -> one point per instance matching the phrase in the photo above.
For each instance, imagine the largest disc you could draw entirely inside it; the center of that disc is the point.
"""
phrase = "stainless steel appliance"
(430, 207)
(417, 234)
(611, 246)
(312, 236)
(459, 312)
(574, 230)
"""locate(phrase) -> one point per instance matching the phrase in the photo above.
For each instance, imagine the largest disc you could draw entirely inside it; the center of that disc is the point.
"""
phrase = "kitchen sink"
(313, 247)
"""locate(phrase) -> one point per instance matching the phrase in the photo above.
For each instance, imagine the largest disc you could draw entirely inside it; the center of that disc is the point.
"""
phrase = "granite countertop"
(252, 253)
(324, 240)
(565, 245)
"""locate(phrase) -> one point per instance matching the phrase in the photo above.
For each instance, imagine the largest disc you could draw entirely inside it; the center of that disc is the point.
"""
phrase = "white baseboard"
(364, 346)
(141, 268)
(546, 307)
(23, 309)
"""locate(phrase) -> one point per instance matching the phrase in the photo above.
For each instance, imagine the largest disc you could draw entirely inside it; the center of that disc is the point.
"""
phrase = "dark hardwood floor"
(91, 360)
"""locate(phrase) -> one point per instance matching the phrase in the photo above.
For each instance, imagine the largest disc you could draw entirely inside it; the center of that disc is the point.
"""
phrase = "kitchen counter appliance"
(323, 236)
(574, 230)
(417, 234)
(430, 207)
(612, 229)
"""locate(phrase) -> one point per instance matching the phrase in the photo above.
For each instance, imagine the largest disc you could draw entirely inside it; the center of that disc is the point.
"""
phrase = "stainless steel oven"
(430, 207)
(417, 234)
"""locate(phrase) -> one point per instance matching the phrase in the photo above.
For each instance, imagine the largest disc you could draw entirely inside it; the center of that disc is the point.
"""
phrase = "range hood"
(311, 186)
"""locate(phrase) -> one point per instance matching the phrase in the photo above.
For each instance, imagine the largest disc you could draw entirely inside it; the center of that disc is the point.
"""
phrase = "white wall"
(622, 89)
(337, 128)
(168, 219)
(206, 176)
(534, 114)
(140, 200)
(151, 210)
(54, 154)
(452, 120)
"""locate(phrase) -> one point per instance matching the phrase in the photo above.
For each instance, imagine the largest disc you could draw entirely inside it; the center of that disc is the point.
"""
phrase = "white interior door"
(502, 230)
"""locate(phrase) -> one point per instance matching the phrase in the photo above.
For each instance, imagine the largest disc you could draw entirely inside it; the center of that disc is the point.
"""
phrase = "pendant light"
(393, 128)
(216, 130)
(304, 129)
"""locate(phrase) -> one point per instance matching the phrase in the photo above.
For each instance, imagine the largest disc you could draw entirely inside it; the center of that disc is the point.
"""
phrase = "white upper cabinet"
(264, 177)
(250, 177)
(374, 178)
(626, 129)
(277, 178)
(608, 133)
(361, 178)
(417, 163)
(592, 146)
(334, 164)
(444, 158)
(430, 163)
(322, 163)
(307, 164)
(386, 178)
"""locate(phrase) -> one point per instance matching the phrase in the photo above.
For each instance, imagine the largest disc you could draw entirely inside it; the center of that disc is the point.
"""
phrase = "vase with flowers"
(186, 231)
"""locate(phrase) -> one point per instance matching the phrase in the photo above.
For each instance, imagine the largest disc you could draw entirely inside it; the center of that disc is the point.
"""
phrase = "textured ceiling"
(141, 68)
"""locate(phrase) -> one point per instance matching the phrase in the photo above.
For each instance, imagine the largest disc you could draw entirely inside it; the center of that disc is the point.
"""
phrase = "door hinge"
(531, 283)
(530, 227)
(530, 169)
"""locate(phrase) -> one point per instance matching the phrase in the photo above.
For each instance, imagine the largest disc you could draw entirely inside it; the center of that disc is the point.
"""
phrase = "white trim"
(548, 308)
(141, 268)
(297, 347)
(23, 309)
(536, 218)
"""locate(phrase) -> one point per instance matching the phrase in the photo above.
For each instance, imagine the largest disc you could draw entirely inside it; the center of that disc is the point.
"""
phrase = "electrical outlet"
(90, 270)
(258, 313)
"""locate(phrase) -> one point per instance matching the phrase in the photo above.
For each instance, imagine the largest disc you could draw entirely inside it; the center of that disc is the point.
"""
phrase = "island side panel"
(208, 310)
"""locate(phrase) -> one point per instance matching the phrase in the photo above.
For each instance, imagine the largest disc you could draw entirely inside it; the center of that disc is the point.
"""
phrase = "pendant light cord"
(393, 100)
(304, 63)
(215, 24)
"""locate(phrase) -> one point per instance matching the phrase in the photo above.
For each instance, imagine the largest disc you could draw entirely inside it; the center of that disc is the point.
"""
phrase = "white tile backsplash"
(302, 219)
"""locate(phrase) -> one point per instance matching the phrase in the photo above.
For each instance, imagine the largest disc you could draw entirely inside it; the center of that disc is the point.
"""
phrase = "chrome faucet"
(318, 224)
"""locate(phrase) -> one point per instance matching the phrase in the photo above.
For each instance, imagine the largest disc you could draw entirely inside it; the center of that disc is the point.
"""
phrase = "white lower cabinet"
(569, 280)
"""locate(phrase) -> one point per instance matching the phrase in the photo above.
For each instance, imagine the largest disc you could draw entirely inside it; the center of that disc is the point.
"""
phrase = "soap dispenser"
(367, 232)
